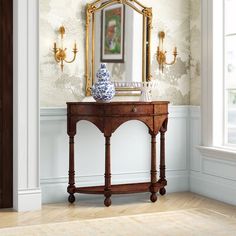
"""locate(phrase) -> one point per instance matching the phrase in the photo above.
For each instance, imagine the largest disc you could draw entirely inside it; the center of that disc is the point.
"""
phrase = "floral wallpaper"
(56, 87)
(195, 47)
(180, 21)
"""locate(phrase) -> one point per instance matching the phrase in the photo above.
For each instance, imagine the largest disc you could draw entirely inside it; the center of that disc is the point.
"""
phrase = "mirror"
(118, 33)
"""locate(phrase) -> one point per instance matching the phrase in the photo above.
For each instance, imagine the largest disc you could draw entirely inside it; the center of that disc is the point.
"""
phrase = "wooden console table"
(108, 117)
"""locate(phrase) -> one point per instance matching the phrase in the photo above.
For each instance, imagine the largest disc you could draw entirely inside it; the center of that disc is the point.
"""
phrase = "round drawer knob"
(134, 109)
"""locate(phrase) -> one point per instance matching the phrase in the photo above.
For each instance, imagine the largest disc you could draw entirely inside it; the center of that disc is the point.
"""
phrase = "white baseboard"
(178, 181)
(213, 187)
(29, 200)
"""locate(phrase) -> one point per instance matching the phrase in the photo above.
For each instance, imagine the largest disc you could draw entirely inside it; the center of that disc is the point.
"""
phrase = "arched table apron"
(108, 117)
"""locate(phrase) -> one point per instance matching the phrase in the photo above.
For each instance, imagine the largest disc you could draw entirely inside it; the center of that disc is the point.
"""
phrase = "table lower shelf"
(121, 188)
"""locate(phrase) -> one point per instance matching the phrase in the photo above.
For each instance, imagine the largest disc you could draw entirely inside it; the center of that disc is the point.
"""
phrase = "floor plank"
(92, 207)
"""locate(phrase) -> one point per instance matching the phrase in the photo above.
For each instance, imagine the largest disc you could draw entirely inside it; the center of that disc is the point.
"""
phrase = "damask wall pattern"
(179, 19)
(195, 49)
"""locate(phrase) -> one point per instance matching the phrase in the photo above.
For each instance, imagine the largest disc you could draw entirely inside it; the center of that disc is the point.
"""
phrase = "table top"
(119, 103)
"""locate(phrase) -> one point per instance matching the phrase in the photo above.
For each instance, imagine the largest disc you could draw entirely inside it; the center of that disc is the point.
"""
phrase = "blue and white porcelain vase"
(103, 90)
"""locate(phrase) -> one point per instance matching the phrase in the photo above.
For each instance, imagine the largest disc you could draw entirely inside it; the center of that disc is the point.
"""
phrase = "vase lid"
(103, 66)
(103, 72)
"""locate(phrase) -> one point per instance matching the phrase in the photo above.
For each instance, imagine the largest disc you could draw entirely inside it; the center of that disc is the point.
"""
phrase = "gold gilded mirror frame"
(146, 12)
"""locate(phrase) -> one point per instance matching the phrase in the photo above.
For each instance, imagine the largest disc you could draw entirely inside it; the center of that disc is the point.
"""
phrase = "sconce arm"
(171, 63)
(74, 57)
(174, 61)
(55, 51)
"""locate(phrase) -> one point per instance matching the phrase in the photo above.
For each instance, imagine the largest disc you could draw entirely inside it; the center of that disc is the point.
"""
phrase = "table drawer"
(129, 109)
(161, 109)
(85, 110)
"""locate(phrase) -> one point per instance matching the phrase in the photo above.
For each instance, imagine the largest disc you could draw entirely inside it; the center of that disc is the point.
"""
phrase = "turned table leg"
(153, 188)
(107, 189)
(71, 186)
(162, 179)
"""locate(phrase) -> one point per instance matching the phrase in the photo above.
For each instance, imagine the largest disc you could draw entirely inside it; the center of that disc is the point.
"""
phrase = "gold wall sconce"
(161, 53)
(60, 52)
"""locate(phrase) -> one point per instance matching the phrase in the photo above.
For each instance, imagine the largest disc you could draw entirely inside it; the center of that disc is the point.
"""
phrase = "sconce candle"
(60, 52)
(161, 53)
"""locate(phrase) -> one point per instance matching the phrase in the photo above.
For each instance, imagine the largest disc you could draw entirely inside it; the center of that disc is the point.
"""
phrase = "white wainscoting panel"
(189, 168)
(212, 171)
(218, 168)
(213, 187)
(130, 151)
(194, 137)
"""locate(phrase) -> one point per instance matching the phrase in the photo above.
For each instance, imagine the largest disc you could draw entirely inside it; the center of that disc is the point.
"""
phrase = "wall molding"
(25, 106)
(53, 114)
(194, 112)
(218, 153)
(219, 168)
(116, 177)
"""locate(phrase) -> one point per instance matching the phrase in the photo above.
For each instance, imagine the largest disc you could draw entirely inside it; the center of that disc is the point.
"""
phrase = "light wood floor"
(92, 207)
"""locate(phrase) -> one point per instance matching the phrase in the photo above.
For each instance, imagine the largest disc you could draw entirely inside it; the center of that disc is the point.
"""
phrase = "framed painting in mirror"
(113, 34)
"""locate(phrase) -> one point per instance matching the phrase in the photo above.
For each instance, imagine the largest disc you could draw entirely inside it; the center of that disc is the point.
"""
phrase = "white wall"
(189, 166)
(131, 141)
